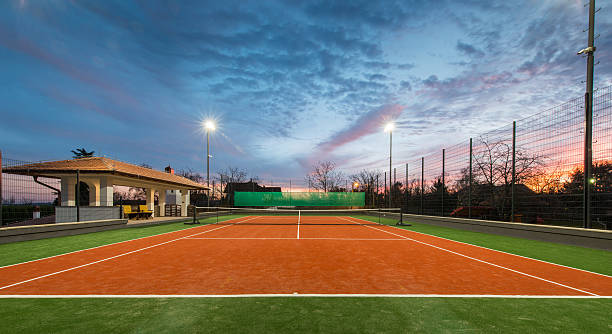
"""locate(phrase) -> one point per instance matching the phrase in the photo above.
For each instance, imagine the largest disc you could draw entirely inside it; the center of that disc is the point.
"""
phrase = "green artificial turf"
(36, 249)
(306, 315)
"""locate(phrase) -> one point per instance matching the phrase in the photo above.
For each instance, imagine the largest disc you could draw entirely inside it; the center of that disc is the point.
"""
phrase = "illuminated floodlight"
(209, 125)
(355, 184)
(592, 180)
(389, 127)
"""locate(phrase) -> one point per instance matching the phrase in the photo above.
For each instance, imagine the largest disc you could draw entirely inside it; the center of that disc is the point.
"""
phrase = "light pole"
(389, 128)
(210, 126)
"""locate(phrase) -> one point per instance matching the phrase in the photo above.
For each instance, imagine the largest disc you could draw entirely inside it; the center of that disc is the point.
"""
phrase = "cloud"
(367, 124)
(469, 50)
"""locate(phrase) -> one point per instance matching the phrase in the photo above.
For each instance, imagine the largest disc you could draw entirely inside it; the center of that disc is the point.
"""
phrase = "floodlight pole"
(588, 124)
(208, 166)
(390, 162)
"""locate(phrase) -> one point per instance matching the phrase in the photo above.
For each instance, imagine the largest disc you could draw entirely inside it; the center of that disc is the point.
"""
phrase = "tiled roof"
(101, 165)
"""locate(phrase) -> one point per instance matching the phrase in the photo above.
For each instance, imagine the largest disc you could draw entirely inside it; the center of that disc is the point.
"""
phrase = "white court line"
(114, 257)
(302, 238)
(491, 249)
(482, 261)
(298, 227)
(114, 243)
(296, 295)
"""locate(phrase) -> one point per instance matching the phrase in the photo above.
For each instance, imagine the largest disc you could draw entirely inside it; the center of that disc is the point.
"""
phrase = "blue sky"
(289, 82)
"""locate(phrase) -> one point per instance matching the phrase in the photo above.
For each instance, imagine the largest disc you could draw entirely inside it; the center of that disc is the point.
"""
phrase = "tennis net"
(274, 216)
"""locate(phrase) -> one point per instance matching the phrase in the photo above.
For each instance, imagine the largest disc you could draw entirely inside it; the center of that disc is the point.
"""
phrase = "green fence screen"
(298, 199)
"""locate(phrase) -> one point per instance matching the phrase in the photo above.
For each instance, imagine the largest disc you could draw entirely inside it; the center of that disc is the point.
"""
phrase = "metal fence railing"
(529, 171)
(24, 201)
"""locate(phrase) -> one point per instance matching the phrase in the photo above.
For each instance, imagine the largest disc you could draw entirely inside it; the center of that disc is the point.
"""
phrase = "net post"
(401, 220)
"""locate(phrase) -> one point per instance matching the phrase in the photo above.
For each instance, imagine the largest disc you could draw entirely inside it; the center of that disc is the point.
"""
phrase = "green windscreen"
(298, 199)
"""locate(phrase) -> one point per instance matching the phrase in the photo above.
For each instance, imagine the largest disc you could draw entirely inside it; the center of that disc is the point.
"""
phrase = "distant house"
(246, 186)
(249, 186)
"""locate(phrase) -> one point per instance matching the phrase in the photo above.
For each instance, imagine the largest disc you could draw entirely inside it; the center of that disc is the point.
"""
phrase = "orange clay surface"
(270, 259)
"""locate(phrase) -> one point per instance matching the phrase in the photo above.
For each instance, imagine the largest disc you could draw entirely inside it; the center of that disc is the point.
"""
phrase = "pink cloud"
(367, 124)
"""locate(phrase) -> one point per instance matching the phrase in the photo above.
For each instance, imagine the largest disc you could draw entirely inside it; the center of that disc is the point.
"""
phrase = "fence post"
(470, 184)
(513, 170)
(1, 200)
(78, 195)
(588, 160)
(422, 181)
(443, 180)
(394, 181)
(406, 189)
(376, 198)
(385, 192)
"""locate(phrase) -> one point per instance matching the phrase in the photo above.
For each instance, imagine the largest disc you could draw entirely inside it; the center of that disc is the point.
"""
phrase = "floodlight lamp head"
(209, 125)
(389, 127)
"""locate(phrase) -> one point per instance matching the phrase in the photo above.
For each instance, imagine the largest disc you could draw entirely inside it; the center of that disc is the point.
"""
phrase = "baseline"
(306, 295)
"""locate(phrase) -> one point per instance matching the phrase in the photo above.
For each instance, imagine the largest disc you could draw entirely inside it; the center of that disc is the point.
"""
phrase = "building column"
(68, 187)
(162, 202)
(184, 202)
(150, 196)
(106, 191)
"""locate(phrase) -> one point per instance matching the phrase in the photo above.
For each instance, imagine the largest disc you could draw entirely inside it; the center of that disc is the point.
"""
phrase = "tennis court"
(296, 254)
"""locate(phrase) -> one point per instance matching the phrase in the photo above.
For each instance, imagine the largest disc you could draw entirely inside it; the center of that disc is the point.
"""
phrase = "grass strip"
(22, 251)
(306, 315)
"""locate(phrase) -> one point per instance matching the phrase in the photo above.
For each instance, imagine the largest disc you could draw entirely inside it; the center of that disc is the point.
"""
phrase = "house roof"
(101, 165)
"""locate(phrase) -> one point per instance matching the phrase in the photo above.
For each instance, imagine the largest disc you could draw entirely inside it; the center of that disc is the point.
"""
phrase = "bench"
(127, 212)
(144, 212)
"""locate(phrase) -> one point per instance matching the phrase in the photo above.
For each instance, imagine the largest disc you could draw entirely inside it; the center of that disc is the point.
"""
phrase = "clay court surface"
(319, 256)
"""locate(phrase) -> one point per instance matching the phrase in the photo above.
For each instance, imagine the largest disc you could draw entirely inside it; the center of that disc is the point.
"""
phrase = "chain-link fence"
(529, 171)
(24, 200)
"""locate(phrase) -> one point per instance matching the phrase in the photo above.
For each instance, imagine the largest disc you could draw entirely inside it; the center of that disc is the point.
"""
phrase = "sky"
(289, 83)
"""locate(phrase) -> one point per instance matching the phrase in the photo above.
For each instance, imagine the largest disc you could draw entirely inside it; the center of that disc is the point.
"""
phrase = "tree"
(367, 183)
(324, 176)
(492, 171)
(82, 153)
(197, 197)
(228, 176)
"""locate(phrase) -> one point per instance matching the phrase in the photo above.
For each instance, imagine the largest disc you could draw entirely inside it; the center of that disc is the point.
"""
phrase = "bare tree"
(229, 176)
(324, 176)
(492, 170)
(366, 179)
(192, 175)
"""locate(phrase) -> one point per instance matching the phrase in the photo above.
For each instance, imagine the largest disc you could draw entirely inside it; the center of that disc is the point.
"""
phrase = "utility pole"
(588, 124)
